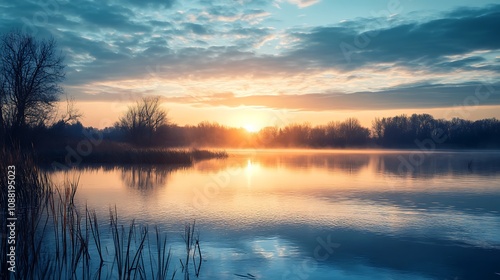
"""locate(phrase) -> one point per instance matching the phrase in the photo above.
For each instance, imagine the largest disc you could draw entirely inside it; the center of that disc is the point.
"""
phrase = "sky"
(257, 63)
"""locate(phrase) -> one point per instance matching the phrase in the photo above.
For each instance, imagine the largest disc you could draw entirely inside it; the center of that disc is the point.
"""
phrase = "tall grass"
(32, 194)
(115, 153)
(56, 240)
(192, 251)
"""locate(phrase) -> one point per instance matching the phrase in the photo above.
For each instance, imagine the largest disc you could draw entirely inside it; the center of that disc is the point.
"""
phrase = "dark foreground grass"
(56, 240)
(120, 153)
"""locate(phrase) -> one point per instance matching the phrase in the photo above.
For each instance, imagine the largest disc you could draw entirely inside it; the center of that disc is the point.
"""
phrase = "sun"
(251, 128)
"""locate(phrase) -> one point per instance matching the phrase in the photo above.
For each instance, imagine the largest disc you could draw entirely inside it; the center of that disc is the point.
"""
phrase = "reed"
(57, 240)
(192, 251)
(113, 153)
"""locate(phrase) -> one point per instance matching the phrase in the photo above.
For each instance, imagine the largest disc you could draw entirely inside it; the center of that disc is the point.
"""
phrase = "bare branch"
(143, 119)
(30, 73)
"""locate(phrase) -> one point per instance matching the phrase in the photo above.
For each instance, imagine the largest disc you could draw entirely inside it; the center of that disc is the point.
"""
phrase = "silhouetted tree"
(143, 119)
(295, 135)
(71, 115)
(392, 132)
(352, 133)
(267, 136)
(318, 136)
(332, 134)
(30, 73)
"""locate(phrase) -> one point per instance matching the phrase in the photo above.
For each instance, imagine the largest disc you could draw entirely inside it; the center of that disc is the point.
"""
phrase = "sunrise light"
(251, 128)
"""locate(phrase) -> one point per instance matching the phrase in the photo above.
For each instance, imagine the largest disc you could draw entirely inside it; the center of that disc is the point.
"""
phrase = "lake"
(317, 214)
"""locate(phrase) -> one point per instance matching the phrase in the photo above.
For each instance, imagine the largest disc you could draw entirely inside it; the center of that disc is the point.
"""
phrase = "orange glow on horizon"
(102, 114)
(251, 128)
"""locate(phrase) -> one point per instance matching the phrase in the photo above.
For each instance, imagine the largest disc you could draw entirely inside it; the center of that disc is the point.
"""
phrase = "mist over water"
(311, 214)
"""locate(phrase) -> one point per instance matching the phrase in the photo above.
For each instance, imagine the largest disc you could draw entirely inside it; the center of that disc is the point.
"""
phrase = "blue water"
(310, 214)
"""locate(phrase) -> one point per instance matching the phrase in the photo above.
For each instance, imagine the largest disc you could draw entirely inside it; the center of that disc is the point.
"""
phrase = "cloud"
(418, 96)
(229, 3)
(195, 28)
(304, 3)
(202, 47)
(438, 46)
(413, 45)
(152, 3)
(301, 3)
(220, 14)
(113, 17)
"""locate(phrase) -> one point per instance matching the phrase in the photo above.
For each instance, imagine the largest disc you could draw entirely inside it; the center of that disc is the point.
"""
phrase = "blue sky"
(241, 60)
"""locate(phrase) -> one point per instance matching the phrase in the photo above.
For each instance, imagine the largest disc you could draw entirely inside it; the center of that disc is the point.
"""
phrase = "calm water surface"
(306, 214)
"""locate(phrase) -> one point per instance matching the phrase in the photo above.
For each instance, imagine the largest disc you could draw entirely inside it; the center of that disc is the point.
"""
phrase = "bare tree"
(143, 119)
(30, 73)
(71, 115)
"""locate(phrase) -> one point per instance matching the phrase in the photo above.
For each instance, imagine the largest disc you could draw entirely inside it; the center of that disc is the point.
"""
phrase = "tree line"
(393, 132)
(403, 130)
(400, 131)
